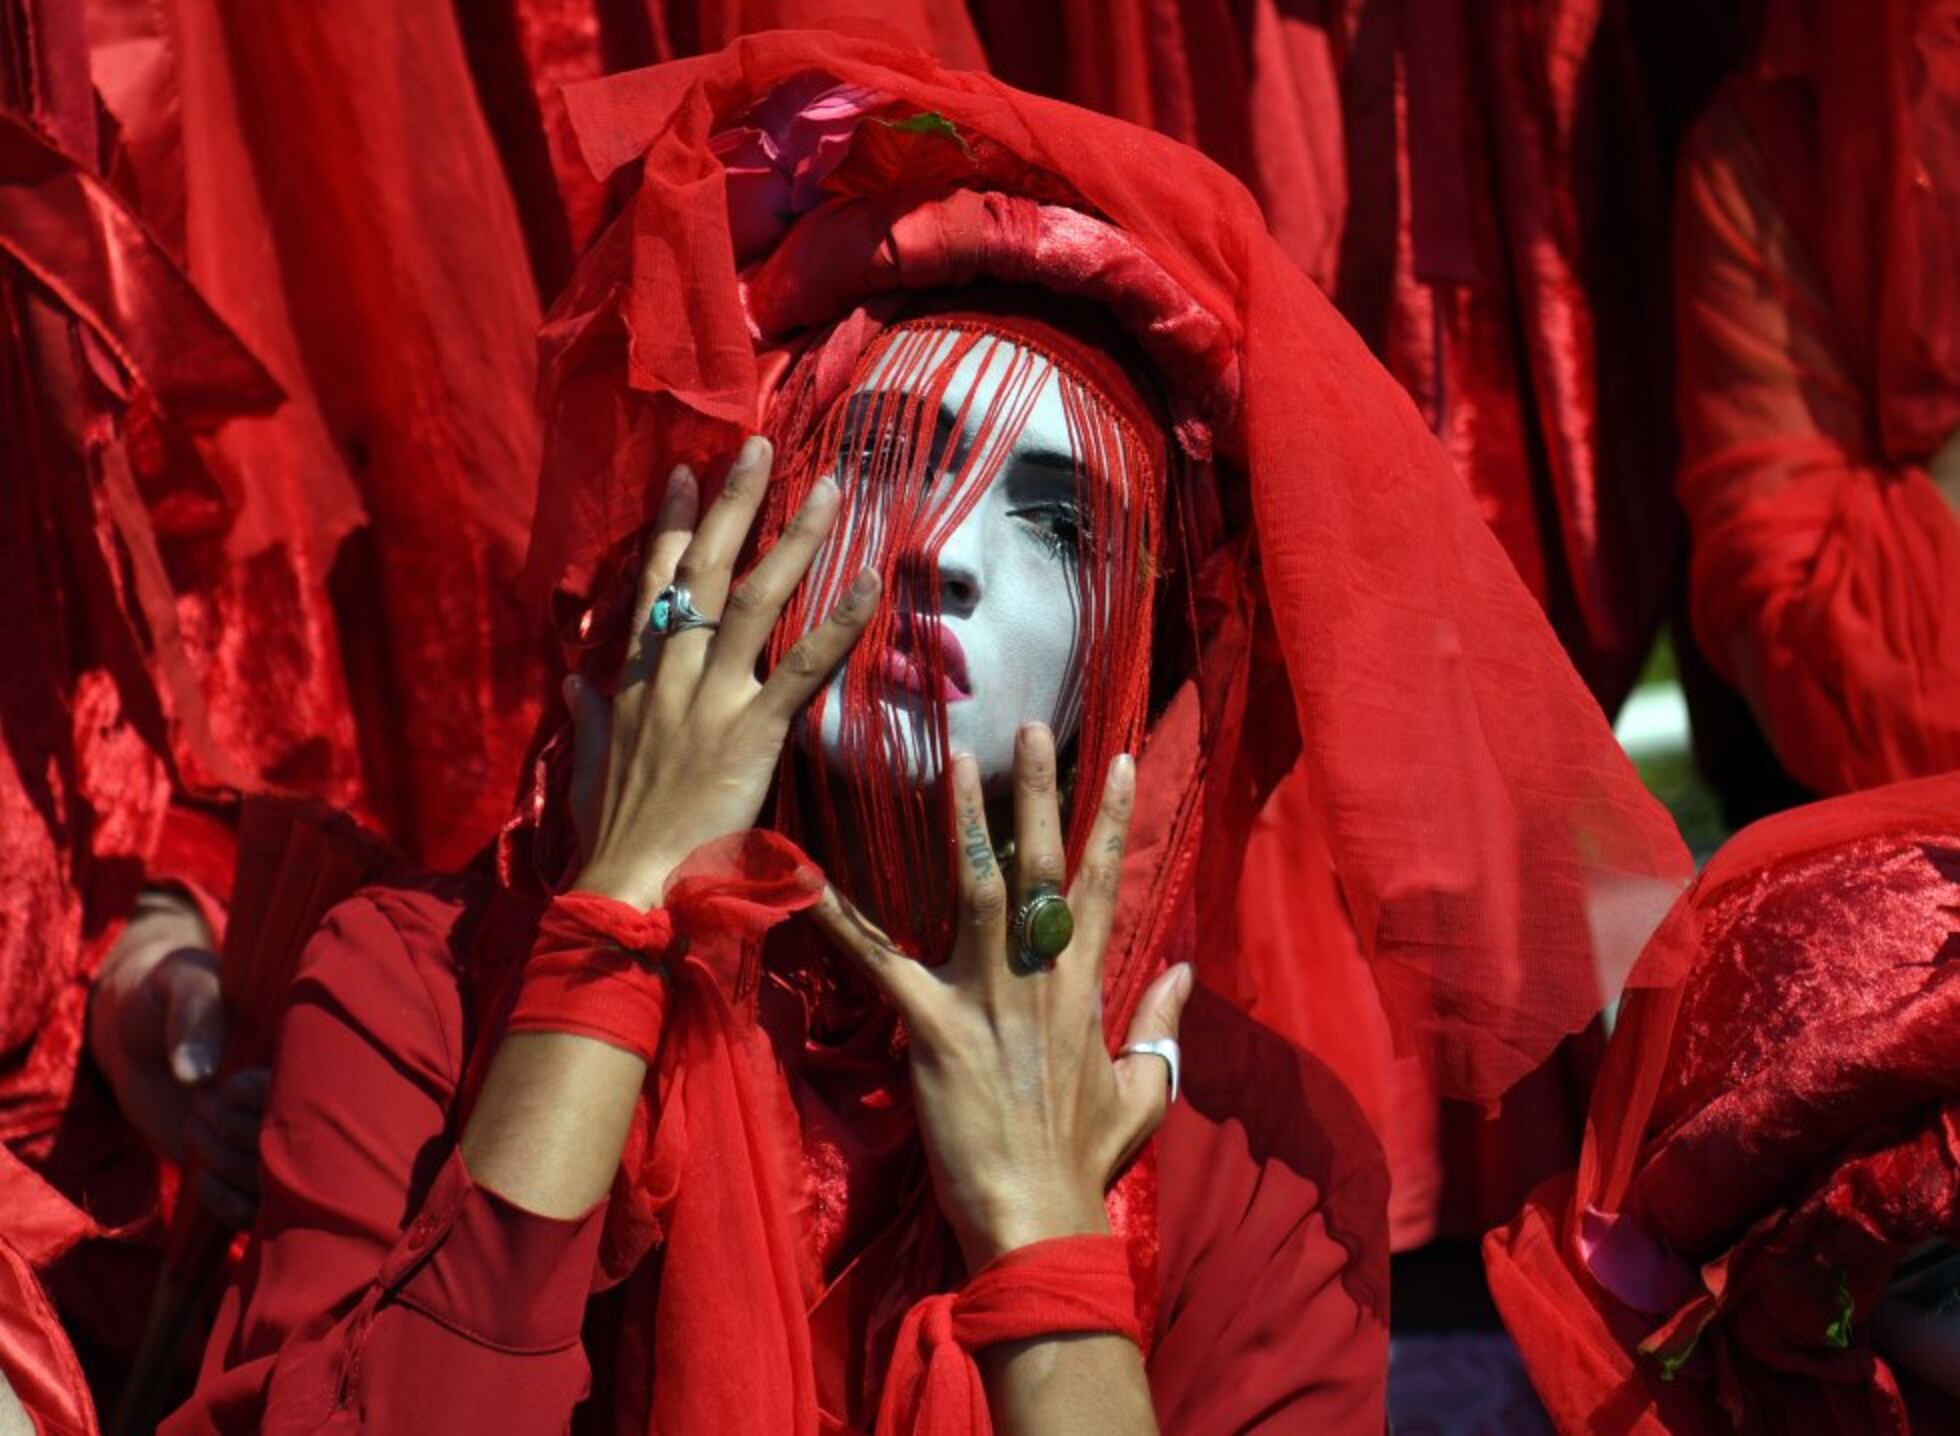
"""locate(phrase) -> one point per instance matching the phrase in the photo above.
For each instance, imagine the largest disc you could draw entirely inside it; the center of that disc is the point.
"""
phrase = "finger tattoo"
(973, 837)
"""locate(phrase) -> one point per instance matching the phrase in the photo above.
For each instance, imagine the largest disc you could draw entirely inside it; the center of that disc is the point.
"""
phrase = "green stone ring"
(1043, 929)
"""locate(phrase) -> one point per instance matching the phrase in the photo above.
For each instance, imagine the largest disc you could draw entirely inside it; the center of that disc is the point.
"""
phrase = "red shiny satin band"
(597, 970)
(1068, 1285)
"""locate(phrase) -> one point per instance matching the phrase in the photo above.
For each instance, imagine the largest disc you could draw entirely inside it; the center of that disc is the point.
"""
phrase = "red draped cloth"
(1819, 239)
(342, 566)
(108, 354)
(1482, 195)
(1771, 1136)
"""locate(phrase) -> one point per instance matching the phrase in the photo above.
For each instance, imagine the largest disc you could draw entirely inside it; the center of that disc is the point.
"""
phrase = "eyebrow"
(1058, 461)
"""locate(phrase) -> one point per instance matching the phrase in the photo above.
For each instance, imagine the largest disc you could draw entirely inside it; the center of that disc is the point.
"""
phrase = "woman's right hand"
(685, 751)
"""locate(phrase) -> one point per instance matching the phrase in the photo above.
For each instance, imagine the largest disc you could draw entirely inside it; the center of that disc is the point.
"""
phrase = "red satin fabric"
(1070, 1284)
(352, 625)
(1825, 578)
(1769, 1138)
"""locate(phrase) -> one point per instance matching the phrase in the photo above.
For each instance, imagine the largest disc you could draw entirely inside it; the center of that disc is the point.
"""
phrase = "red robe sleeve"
(1825, 576)
(386, 1292)
(1273, 1272)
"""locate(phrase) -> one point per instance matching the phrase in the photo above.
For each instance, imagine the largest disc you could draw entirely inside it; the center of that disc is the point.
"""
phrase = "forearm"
(550, 1124)
(1077, 1382)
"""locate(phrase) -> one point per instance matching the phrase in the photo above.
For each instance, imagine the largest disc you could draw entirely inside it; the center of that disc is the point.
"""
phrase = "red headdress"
(1771, 1135)
(809, 206)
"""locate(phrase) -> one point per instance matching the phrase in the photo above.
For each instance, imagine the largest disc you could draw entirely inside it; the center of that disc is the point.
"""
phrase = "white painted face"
(1009, 601)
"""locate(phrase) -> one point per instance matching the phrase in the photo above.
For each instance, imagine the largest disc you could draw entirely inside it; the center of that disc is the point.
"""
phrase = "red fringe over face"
(907, 487)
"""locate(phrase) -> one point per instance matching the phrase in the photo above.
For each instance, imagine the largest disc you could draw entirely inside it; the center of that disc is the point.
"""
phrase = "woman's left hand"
(1026, 1117)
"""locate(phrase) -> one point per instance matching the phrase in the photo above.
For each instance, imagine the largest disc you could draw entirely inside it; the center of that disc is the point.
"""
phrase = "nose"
(953, 575)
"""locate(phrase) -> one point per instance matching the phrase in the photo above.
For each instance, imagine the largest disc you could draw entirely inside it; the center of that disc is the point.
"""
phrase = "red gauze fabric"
(1494, 850)
(1771, 1136)
(1079, 1284)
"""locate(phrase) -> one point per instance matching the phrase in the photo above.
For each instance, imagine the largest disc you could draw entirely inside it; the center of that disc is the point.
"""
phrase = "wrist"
(641, 886)
(1016, 1221)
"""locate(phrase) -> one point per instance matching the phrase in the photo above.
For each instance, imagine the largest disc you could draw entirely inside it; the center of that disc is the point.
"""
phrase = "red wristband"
(600, 968)
(1070, 1284)
(597, 969)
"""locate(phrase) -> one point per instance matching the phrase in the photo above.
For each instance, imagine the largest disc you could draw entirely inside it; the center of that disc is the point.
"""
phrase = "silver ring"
(1164, 1047)
(674, 612)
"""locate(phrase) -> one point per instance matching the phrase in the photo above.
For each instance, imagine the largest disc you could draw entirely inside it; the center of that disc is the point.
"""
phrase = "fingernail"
(821, 492)
(755, 449)
(1181, 984)
(569, 688)
(193, 1062)
(865, 584)
(1122, 773)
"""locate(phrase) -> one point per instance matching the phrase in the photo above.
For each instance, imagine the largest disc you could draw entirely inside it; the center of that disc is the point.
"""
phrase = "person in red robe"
(799, 1234)
(110, 1027)
(1482, 193)
(1759, 1235)
(1819, 389)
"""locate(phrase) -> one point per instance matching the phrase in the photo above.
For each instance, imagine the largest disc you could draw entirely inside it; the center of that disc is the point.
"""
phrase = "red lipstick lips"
(909, 659)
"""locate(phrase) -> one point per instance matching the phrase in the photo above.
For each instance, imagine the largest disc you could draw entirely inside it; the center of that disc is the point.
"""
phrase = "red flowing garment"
(1770, 1137)
(107, 354)
(1819, 315)
(773, 1233)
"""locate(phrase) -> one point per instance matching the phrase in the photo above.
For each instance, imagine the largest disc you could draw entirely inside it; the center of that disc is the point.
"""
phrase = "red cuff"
(1070, 1284)
(599, 967)
(198, 855)
(494, 1273)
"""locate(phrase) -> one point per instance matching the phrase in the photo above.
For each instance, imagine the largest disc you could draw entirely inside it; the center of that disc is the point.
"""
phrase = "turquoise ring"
(674, 612)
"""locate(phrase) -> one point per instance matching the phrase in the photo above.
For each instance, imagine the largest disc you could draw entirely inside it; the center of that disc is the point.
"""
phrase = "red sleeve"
(1825, 578)
(385, 1292)
(1273, 1218)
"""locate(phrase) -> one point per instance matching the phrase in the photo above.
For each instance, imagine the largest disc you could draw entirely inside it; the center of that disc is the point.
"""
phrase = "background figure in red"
(327, 181)
(1818, 273)
(108, 357)
(1771, 1149)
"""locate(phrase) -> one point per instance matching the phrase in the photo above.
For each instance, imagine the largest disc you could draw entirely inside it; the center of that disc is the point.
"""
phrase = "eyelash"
(1058, 527)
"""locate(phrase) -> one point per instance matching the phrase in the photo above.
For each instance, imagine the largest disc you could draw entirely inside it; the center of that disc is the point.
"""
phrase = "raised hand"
(1025, 1115)
(685, 751)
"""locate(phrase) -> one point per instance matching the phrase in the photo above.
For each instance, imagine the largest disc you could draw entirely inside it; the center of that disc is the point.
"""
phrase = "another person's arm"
(157, 1032)
(1824, 581)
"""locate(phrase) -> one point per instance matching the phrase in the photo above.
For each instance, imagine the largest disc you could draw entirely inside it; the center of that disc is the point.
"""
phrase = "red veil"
(1353, 620)
(1770, 1137)
(1494, 851)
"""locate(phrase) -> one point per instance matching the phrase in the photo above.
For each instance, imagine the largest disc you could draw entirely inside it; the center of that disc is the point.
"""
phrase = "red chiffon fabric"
(1479, 193)
(1770, 1137)
(1487, 835)
(1820, 373)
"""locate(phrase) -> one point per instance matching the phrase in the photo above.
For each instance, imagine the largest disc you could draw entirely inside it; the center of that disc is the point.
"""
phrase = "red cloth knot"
(1069, 1284)
(599, 967)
